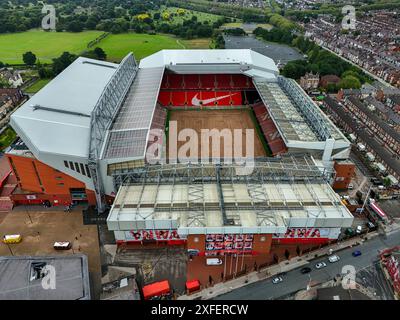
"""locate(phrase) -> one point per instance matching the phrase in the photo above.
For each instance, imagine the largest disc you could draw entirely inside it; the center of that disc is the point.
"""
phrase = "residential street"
(294, 280)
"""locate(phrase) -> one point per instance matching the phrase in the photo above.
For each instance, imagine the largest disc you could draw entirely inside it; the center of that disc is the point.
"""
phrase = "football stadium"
(85, 138)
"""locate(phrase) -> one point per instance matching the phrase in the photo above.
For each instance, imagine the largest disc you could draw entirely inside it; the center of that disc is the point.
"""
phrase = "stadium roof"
(59, 114)
(206, 61)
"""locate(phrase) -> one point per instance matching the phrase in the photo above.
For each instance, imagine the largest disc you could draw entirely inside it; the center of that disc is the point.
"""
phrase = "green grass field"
(118, 45)
(37, 85)
(7, 137)
(201, 16)
(45, 45)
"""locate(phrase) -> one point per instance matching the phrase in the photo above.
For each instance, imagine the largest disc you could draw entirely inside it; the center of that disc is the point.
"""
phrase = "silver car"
(320, 265)
(277, 280)
(333, 258)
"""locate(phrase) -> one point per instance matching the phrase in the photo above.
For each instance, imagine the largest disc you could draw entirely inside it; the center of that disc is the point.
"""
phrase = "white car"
(333, 258)
(277, 280)
(320, 265)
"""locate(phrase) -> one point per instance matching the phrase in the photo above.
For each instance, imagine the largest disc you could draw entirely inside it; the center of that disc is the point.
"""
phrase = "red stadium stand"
(269, 130)
(191, 81)
(175, 81)
(178, 98)
(224, 81)
(164, 98)
(207, 81)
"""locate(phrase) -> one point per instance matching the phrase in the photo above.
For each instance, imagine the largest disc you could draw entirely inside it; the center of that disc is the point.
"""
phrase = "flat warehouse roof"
(71, 282)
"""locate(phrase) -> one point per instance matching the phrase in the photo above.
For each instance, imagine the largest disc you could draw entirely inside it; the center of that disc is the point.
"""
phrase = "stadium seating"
(269, 130)
(205, 81)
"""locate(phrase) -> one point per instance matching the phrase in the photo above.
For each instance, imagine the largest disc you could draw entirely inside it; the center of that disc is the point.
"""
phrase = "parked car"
(320, 265)
(277, 280)
(356, 253)
(12, 238)
(305, 270)
(351, 186)
(334, 258)
(214, 262)
(359, 229)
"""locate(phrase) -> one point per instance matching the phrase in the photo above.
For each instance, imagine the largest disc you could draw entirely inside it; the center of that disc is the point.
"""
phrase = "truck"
(370, 157)
(360, 147)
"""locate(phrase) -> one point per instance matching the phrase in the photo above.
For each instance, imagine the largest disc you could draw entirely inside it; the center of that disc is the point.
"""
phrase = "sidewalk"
(284, 266)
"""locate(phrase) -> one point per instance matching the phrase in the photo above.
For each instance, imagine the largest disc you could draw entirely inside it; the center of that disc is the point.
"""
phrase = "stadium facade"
(84, 137)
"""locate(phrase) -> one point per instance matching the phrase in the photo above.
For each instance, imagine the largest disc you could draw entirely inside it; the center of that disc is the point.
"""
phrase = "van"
(12, 238)
(62, 245)
(214, 262)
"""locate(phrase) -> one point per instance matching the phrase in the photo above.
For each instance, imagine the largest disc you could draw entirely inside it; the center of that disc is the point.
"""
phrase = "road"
(294, 281)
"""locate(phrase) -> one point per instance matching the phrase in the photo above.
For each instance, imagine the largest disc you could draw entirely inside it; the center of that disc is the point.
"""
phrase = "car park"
(277, 280)
(334, 258)
(320, 265)
(356, 253)
(305, 270)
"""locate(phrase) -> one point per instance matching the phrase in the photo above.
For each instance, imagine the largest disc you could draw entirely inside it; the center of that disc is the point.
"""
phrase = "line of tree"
(323, 62)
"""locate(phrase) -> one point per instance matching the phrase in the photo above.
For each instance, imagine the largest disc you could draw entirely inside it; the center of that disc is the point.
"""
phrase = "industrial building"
(44, 278)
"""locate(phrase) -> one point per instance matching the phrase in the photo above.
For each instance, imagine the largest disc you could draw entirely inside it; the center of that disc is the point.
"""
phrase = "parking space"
(41, 228)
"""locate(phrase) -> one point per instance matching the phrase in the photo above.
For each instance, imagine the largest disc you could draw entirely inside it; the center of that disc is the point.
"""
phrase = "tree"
(60, 63)
(100, 54)
(349, 82)
(29, 58)
(1, 64)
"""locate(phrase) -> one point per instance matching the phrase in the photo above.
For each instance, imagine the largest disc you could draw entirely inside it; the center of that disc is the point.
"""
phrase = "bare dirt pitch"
(40, 228)
(216, 119)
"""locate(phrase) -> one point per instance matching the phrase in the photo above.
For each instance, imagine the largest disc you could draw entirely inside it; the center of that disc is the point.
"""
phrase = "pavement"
(258, 285)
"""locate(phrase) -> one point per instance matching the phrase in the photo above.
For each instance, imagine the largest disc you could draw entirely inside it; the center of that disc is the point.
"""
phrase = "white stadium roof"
(232, 60)
(58, 116)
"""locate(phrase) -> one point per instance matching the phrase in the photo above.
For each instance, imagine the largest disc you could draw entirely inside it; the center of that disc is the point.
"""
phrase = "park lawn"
(6, 138)
(232, 25)
(201, 16)
(265, 26)
(35, 87)
(201, 43)
(117, 46)
(45, 45)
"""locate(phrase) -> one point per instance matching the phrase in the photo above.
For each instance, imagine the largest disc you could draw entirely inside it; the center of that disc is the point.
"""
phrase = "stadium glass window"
(59, 178)
(77, 167)
(60, 184)
(71, 165)
(66, 164)
(82, 169)
(87, 170)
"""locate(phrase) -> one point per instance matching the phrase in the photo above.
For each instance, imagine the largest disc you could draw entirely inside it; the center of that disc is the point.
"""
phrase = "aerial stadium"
(84, 138)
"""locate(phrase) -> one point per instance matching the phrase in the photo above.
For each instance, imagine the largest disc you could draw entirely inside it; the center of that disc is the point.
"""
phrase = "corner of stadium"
(84, 137)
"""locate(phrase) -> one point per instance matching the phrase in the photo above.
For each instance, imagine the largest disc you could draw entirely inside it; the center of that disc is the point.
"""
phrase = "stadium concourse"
(85, 137)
